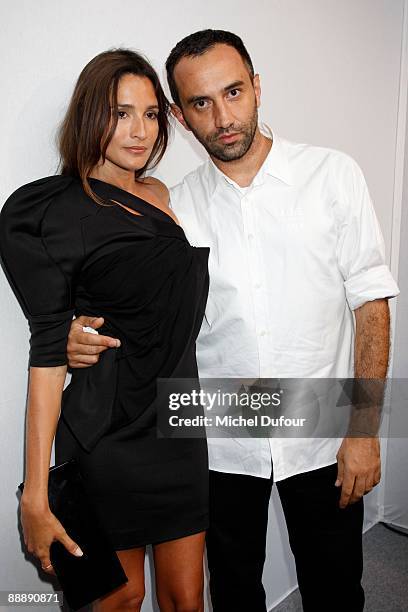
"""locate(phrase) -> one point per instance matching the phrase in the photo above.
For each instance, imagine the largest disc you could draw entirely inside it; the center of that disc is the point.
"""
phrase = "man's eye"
(200, 104)
(234, 93)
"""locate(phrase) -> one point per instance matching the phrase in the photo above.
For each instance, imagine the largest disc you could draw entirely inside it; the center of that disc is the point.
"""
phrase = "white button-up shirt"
(291, 257)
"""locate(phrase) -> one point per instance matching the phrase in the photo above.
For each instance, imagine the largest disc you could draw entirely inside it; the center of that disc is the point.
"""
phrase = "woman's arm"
(41, 248)
(43, 408)
(40, 526)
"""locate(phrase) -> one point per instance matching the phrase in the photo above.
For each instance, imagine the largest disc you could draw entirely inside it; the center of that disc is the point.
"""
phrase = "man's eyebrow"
(196, 99)
(233, 85)
(227, 88)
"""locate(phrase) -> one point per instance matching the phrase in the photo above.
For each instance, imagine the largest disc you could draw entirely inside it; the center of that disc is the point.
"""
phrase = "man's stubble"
(229, 152)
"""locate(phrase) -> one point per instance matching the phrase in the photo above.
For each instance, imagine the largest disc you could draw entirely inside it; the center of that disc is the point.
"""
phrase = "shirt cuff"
(368, 285)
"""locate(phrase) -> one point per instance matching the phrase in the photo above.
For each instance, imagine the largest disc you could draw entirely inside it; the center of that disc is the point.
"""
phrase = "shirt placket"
(257, 286)
(266, 449)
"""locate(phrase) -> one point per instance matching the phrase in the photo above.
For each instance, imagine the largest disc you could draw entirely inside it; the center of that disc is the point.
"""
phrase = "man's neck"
(244, 170)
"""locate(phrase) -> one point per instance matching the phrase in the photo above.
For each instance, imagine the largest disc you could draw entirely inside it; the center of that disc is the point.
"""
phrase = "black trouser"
(325, 540)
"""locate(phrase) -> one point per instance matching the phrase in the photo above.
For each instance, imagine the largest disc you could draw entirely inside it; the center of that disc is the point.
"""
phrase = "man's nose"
(223, 117)
(138, 128)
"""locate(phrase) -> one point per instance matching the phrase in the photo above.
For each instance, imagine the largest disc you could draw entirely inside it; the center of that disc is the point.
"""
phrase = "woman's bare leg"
(180, 574)
(129, 596)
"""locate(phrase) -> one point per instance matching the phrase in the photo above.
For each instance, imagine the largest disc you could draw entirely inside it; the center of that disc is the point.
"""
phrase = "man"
(295, 249)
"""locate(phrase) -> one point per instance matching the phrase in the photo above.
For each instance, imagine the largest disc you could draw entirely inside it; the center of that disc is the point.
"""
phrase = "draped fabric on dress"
(64, 254)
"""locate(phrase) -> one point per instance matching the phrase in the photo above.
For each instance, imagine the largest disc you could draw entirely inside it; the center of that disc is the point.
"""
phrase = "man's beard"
(229, 152)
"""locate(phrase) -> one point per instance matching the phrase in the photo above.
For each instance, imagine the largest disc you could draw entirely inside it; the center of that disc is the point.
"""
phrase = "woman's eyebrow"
(152, 106)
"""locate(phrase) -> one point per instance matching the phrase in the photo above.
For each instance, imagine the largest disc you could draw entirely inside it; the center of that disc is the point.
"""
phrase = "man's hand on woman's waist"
(84, 348)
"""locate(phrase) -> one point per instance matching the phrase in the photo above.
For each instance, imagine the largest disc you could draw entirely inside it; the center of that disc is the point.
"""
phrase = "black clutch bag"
(98, 571)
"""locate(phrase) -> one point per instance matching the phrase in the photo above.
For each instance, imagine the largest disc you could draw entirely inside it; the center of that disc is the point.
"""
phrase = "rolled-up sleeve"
(360, 245)
(42, 288)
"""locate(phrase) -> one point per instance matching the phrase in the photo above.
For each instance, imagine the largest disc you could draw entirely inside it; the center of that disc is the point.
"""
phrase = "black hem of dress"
(168, 538)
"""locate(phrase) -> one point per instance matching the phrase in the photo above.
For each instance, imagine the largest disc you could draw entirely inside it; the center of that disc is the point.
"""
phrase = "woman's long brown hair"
(89, 123)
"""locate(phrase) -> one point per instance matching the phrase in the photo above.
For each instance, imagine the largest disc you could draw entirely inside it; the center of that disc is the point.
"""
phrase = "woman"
(101, 238)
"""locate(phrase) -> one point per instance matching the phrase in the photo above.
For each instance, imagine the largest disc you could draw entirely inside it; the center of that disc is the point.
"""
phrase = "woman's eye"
(122, 114)
(151, 115)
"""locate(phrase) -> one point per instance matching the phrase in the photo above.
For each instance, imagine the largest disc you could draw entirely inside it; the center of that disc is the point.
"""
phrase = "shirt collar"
(276, 164)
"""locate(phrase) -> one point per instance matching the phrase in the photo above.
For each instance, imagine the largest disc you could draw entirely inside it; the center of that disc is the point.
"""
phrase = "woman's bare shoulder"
(157, 188)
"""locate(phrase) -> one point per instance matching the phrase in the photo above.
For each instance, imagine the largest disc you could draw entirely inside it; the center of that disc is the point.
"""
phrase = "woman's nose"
(138, 129)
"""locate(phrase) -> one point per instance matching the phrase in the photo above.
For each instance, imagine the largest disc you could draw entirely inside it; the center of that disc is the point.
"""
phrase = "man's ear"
(257, 89)
(178, 114)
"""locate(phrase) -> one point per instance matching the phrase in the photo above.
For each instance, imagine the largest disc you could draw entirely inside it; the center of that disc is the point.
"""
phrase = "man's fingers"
(346, 490)
(79, 359)
(77, 365)
(85, 348)
(94, 322)
(85, 338)
(359, 489)
(85, 359)
(369, 484)
(86, 343)
(340, 472)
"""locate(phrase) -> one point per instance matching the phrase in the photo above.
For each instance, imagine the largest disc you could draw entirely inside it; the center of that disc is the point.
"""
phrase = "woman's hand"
(41, 528)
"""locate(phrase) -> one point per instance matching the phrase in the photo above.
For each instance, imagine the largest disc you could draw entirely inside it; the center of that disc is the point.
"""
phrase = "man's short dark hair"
(197, 44)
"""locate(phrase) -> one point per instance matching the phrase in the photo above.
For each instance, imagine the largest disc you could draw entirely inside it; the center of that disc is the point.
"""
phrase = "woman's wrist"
(34, 500)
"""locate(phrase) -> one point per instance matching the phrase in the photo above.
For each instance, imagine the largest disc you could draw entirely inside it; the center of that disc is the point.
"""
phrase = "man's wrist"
(357, 433)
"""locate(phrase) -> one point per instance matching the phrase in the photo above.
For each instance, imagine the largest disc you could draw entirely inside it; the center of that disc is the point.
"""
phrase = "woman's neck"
(124, 179)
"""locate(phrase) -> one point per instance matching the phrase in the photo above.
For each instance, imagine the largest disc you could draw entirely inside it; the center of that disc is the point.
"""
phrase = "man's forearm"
(358, 458)
(372, 344)
(370, 365)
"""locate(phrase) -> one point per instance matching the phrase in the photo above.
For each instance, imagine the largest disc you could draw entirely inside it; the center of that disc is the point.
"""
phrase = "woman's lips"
(136, 150)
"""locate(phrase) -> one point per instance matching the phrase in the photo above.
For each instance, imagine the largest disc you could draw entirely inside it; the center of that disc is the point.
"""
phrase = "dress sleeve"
(360, 246)
(41, 285)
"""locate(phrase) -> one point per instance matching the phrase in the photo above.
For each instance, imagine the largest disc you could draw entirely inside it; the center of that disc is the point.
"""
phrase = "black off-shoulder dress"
(66, 255)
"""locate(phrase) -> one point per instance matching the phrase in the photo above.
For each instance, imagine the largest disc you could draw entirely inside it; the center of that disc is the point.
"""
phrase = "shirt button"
(257, 285)
(263, 332)
(251, 236)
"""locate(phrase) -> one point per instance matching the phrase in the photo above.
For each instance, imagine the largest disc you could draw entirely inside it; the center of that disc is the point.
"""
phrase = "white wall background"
(394, 500)
(331, 76)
